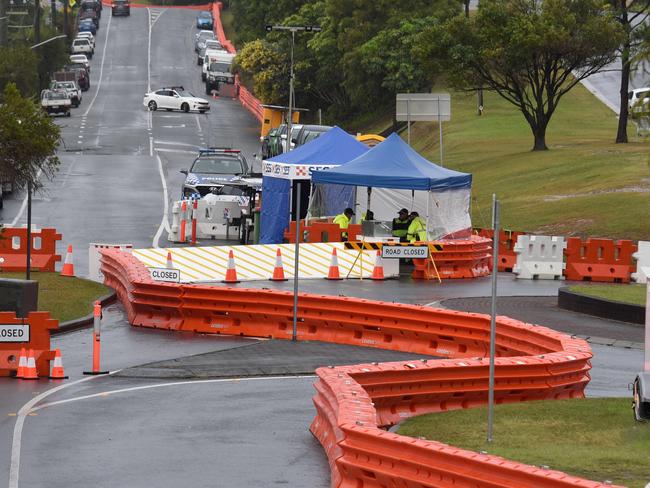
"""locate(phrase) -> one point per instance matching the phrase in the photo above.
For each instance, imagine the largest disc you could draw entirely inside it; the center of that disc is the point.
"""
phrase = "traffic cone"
(378, 270)
(22, 363)
(30, 369)
(231, 272)
(333, 273)
(170, 264)
(57, 372)
(278, 271)
(68, 266)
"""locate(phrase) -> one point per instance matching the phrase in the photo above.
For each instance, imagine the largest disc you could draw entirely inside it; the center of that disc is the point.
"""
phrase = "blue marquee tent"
(332, 149)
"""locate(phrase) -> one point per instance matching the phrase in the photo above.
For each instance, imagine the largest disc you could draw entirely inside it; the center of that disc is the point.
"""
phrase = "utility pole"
(37, 21)
(4, 23)
(65, 18)
(53, 13)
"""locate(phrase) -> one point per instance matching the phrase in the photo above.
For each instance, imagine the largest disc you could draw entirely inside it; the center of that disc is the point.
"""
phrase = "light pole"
(293, 29)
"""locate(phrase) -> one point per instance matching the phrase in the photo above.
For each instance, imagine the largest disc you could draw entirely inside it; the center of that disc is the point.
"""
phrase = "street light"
(293, 29)
(48, 40)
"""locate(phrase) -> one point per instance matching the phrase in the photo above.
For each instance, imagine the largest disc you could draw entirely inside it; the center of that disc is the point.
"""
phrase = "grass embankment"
(584, 185)
(65, 298)
(596, 439)
(634, 294)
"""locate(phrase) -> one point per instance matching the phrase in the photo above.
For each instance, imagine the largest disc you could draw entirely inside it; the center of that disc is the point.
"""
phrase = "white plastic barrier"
(642, 257)
(215, 220)
(539, 257)
(94, 265)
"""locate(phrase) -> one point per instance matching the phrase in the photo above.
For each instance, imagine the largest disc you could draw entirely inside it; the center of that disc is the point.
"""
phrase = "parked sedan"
(174, 98)
(87, 25)
(201, 37)
(81, 59)
(204, 20)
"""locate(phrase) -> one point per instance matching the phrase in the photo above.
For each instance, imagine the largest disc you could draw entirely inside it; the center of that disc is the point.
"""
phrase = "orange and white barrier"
(25, 349)
(97, 325)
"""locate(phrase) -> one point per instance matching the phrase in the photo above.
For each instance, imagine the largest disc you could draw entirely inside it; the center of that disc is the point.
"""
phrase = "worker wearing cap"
(343, 220)
(417, 230)
(401, 225)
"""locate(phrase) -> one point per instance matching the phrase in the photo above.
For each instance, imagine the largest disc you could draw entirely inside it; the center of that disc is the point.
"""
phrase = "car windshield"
(81, 42)
(222, 67)
(56, 96)
(203, 35)
(217, 165)
(205, 15)
(185, 93)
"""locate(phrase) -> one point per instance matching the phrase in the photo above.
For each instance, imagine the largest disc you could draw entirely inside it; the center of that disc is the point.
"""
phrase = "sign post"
(493, 315)
(429, 107)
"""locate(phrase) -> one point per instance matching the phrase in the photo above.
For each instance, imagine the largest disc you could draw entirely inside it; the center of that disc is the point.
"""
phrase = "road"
(120, 170)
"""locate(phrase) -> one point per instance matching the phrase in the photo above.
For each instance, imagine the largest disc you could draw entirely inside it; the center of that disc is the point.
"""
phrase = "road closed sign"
(165, 274)
(14, 333)
(404, 252)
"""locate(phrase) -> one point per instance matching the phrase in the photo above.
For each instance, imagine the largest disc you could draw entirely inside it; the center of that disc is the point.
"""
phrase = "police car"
(214, 168)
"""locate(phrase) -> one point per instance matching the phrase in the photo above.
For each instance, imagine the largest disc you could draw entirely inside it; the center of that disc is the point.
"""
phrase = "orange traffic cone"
(57, 372)
(278, 271)
(68, 266)
(170, 264)
(30, 369)
(333, 273)
(22, 363)
(231, 272)
(378, 270)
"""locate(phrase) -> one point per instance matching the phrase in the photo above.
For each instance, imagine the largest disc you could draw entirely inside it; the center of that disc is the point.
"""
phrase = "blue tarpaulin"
(335, 147)
(394, 164)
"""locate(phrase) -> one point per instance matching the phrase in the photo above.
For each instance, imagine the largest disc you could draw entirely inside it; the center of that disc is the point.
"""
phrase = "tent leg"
(434, 265)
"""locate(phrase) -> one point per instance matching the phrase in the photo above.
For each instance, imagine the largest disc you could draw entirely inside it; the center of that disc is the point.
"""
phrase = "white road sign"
(14, 333)
(404, 252)
(165, 274)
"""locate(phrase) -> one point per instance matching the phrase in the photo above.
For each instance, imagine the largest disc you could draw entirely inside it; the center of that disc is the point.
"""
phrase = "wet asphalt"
(151, 423)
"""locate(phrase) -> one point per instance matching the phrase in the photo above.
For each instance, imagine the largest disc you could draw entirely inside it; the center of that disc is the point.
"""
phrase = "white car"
(87, 35)
(209, 44)
(82, 46)
(81, 59)
(71, 88)
(201, 37)
(637, 94)
(174, 98)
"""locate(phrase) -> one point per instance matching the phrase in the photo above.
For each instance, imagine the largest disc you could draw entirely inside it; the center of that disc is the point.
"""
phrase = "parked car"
(212, 44)
(204, 20)
(636, 95)
(275, 141)
(201, 37)
(82, 46)
(81, 59)
(71, 88)
(310, 132)
(87, 35)
(81, 76)
(56, 102)
(89, 14)
(174, 98)
(213, 167)
(295, 129)
(92, 5)
(266, 143)
(121, 7)
(87, 25)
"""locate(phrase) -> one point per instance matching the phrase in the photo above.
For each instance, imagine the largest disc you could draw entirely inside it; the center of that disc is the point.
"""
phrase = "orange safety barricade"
(13, 249)
(599, 260)
(507, 241)
(40, 324)
(459, 258)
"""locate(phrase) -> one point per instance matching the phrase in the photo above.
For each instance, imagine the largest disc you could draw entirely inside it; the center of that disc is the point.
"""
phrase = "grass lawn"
(596, 439)
(65, 298)
(635, 294)
(584, 185)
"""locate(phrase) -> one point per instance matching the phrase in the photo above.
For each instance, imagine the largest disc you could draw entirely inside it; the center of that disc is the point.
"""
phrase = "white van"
(212, 56)
(637, 95)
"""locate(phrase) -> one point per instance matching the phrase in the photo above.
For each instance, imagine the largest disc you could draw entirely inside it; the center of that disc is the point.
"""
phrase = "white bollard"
(539, 257)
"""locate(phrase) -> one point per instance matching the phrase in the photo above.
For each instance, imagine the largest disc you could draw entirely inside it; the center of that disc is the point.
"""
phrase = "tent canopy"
(334, 147)
(394, 164)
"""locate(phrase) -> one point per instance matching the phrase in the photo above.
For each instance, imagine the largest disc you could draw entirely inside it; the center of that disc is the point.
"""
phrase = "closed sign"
(14, 333)
(165, 274)
(404, 252)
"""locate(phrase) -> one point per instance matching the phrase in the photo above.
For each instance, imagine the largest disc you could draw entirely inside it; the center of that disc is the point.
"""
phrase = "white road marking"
(14, 467)
(23, 205)
(164, 223)
(101, 68)
(177, 151)
(174, 143)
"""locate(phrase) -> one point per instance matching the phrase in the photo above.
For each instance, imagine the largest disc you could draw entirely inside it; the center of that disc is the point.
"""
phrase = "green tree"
(52, 56)
(28, 140)
(19, 65)
(531, 52)
(265, 67)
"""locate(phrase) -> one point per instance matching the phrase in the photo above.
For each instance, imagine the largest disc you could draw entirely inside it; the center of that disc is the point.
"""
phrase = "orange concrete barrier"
(353, 402)
(599, 260)
(13, 249)
(31, 334)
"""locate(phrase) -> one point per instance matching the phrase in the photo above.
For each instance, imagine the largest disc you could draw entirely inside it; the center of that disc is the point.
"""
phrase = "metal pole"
(493, 325)
(320, 117)
(290, 121)
(294, 336)
(440, 128)
(53, 13)
(408, 122)
(28, 266)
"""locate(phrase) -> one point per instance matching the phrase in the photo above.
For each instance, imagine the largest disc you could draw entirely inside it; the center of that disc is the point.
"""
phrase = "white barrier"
(539, 257)
(94, 265)
(642, 257)
(214, 220)
(178, 215)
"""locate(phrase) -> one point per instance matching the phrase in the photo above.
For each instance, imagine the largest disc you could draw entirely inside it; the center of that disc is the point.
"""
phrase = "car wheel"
(67, 114)
(185, 107)
(202, 111)
(153, 106)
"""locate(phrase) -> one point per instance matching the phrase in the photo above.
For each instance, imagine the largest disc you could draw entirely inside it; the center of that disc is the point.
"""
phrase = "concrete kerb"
(600, 307)
(87, 320)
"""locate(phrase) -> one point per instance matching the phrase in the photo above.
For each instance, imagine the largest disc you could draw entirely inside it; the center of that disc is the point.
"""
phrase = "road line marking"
(165, 217)
(175, 383)
(101, 68)
(176, 151)
(23, 205)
